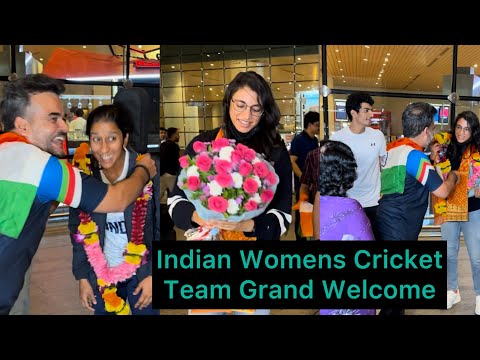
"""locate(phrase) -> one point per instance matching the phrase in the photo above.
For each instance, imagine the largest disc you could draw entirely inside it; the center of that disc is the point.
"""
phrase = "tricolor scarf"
(394, 173)
(25, 169)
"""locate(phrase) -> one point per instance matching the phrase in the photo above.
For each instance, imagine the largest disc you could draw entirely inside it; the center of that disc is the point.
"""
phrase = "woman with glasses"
(461, 211)
(251, 117)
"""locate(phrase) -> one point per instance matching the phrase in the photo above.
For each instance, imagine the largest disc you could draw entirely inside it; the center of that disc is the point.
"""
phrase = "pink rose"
(184, 161)
(245, 168)
(224, 179)
(250, 186)
(251, 205)
(260, 169)
(193, 183)
(271, 179)
(267, 195)
(199, 147)
(218, 144)
(204, 162)
(249, 155)
(236, 156)
(218, 204)
(223, 166)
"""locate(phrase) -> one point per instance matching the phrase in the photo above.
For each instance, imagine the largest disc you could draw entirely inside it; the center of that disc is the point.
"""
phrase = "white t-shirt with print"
(367, 148)
(116, 238)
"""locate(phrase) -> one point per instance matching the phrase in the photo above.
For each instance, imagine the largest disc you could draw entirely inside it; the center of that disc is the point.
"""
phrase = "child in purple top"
(341, 218)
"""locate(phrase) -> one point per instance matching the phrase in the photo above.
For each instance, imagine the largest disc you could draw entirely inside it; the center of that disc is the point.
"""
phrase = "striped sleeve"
(419, 166)
(61, 182)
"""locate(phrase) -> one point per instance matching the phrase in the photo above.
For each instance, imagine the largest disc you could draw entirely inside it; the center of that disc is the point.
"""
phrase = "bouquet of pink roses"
(227, 181)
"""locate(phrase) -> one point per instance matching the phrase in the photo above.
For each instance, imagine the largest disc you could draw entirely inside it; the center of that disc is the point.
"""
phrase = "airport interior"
(186, 84)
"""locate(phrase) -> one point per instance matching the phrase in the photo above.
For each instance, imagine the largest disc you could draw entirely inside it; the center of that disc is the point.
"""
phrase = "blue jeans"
(471, 234)
(257, 312)
(125, 290)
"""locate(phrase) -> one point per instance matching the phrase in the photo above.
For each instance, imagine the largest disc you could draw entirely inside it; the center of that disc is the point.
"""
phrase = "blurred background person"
(301, 145)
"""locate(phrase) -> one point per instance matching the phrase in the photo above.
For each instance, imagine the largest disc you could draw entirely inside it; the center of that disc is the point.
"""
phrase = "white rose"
(215, 188)
(257, 179)
(257, 198)
(193, 171)
(237, 179)
(226, 153)
(254, 161)
(232, 208)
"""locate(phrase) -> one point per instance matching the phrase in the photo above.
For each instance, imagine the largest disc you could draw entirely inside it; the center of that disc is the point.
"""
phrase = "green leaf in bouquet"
(203, 177)
(228, 194)
(184, 183)
(196, 194)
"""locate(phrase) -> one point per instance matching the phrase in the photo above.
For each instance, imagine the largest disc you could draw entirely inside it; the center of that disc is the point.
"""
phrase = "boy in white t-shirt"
(369, 148)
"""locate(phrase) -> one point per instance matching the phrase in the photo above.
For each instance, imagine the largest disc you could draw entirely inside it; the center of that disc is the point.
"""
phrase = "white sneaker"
(477, 305)
(454, 298)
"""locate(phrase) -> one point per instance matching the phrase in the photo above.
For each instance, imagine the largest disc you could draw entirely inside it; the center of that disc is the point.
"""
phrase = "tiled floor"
(54, 290)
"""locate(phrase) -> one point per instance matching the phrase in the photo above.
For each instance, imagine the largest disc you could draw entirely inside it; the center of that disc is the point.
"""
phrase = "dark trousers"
(297, 216)
(371, 213)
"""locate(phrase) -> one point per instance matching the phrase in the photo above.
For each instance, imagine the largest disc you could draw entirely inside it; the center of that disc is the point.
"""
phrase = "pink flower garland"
(134, 256)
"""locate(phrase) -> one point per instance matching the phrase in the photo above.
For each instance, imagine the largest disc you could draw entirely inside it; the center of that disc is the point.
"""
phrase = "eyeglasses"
(365, 110)
(240, 106)
(465, 130)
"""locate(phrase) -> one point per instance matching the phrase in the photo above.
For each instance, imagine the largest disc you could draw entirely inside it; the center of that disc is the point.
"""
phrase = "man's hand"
(434, 149)
(147, 160)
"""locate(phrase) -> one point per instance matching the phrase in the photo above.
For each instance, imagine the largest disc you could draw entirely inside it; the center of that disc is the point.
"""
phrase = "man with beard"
(32, 180)
(408, 178)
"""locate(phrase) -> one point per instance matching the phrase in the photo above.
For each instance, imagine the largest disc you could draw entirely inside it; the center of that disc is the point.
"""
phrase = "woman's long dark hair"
(338, 168)
(455, 149)
(264, 138)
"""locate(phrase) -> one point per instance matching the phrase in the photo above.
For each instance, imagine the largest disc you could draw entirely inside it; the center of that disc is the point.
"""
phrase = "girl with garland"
(460, 212)
(112, 253)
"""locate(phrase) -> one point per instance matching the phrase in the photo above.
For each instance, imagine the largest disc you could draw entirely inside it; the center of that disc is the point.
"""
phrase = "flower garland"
(135, 253)
(442, 162)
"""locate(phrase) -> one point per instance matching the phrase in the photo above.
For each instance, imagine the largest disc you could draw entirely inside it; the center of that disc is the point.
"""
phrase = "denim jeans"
(257, 312)
(125, 290)
(471, 234)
